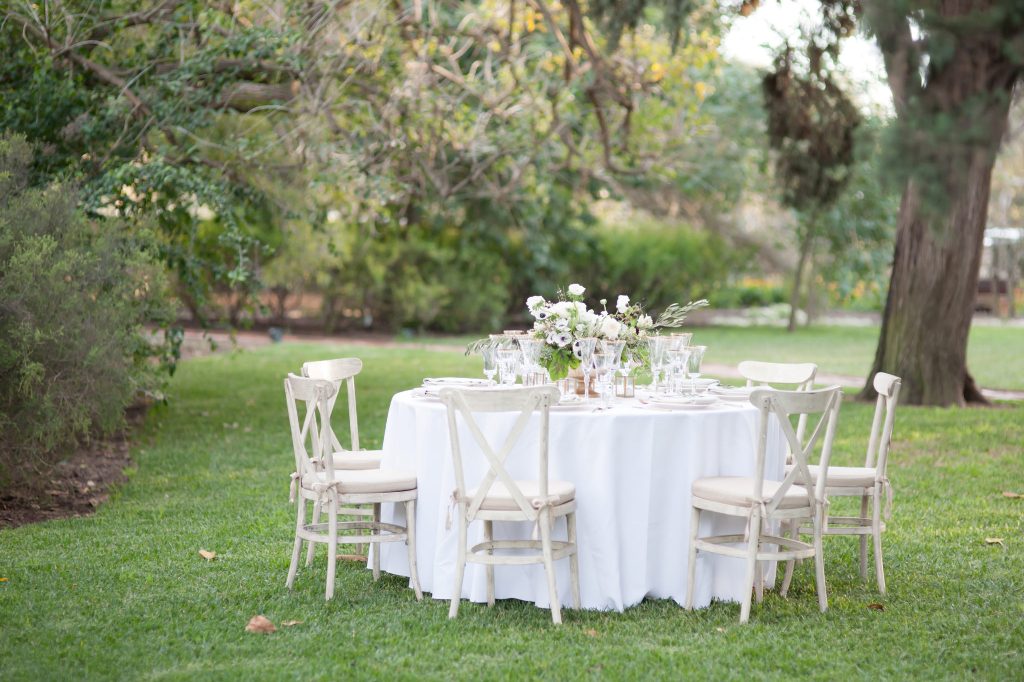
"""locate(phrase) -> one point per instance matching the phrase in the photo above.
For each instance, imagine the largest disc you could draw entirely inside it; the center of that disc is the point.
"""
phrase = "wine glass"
(489, 353)
(657, 347)
(584, 348)
(604, 364)
(693, 361)
(531, 351)
(507, 365)
(677, 360)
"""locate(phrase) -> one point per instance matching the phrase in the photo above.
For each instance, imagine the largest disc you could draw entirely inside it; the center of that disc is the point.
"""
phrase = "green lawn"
(995, 354)
(124, 594)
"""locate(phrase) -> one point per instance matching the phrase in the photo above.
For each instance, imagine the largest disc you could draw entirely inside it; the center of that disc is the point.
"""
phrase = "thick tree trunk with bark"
(931, 296)
(958, 115)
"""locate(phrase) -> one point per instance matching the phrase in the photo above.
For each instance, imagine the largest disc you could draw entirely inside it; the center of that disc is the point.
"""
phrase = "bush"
(659, 263)
(73, 297)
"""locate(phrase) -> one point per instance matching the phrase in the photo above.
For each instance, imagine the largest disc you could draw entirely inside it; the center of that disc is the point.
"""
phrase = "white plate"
(681, 406)
(739, 394)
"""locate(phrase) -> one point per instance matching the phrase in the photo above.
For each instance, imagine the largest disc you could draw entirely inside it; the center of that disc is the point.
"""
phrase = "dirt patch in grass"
(74, 487)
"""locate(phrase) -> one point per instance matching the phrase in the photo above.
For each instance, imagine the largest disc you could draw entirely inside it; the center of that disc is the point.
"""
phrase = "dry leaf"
(720, 629)
(875, 606)
(591, 632)
(994, 541)
(352, 557)
(260, 624)
(289, 623)
(1012, 495)
(3, 580)
(208, 555)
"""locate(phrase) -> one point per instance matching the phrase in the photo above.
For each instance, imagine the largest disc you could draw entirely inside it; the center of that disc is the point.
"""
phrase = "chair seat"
(738, 491)
(360, 459)
(843, 477)
(365, 480)
(500, 499)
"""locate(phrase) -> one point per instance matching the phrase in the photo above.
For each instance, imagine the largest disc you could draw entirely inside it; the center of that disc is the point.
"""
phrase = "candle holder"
(625, 386)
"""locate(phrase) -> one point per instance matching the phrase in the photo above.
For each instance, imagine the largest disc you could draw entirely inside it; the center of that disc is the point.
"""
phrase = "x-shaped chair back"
(799, 375)
(526, 401)
(337, 371)
(316, 394)
(784, 404)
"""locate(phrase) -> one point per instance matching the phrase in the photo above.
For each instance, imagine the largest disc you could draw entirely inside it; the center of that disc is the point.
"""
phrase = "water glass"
(489, 353)
(508, 365)
(584, 349)
(693, 362)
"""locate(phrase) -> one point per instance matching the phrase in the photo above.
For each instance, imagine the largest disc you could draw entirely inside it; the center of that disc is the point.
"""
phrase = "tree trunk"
(931, 297)
(794, 297)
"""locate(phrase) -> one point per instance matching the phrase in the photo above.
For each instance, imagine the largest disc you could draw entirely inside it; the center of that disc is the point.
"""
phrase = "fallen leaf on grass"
(720, 629)
(875, 606)
(208, 555)
(289, 623)
(260, 624)
(994, 541)
(1012, 495)
(3, 580)
(352, 557)
(591, 632)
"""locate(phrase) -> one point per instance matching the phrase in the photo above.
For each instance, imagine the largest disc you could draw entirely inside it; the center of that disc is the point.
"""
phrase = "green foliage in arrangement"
(125, 593)
(73, 294)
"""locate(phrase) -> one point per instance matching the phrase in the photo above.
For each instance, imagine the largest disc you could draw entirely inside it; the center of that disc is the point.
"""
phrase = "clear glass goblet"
(693, 363)
(584, 349)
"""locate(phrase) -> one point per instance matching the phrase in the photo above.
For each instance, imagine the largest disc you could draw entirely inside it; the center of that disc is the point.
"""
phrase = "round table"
(633, 467)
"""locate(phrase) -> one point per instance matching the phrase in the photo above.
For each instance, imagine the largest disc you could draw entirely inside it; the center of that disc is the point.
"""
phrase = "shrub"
(73, 297)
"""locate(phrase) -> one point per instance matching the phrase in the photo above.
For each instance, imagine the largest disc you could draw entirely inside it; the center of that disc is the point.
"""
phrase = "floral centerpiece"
(560, 323)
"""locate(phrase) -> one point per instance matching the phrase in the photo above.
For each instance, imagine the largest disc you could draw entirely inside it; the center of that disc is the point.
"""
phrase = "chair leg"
(794, 532)
(549, 564)
(375, 547)
(748, 582)
(759, 574)
(460, 564)
(332, 543)
(574, 560)
(410, 543)
(312, 545)
(876, 533)
(300, 519)
(863, 540)
(819, 563)
(488, 536)
(691, 562)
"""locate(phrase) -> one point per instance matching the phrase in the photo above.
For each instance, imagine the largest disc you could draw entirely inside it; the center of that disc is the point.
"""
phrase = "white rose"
(622, 303)
(576, 289)
(645, 322)
(534, 302)
(610, 328)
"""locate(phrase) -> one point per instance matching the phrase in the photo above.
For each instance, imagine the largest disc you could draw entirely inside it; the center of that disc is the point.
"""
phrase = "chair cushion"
(500, 499)
(840, 477)
(366, 480)
(361, 459)
(739, 491)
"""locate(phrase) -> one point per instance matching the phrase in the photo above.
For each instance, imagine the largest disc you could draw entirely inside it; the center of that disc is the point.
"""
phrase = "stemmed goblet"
(489, 353)
(693, 362)
(604, 363)
(584, 348)
(657, 347)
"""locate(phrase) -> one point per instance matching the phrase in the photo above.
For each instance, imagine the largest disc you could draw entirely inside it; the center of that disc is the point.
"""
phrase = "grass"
(995, 355)
(124, 593)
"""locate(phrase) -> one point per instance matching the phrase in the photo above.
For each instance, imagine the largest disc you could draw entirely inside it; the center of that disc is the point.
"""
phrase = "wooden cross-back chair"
(870, 483)
(762, 501)
(499, 497)
(783, 375)
(317, 481)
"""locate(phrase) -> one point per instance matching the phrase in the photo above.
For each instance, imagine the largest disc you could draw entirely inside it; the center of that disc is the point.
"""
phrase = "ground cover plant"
(125, 593)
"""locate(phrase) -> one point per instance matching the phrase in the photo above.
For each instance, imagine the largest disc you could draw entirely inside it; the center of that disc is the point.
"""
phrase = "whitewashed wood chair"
(317, 481)
(499, 497)
(784, 375)
(870, 483)
(338, 371)
(762, 502)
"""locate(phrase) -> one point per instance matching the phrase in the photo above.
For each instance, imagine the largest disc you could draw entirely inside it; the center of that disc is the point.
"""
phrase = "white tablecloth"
(633, 468)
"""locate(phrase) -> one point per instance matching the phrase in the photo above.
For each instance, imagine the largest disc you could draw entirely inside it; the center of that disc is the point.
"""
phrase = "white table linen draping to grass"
(633, 468)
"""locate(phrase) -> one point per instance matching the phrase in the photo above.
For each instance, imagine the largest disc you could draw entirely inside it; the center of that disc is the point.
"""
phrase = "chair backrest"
(465, 403)
(888, 388)
(799, 375)
(315, 394)
(784, 404)
(338, 370)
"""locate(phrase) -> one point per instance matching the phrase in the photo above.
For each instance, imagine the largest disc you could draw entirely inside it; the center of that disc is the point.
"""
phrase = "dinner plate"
(736, 393)
(456, 381)
(682, 402)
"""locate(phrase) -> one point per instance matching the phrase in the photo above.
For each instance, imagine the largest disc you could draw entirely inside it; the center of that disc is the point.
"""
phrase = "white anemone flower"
(622, 303)
(576, 289)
